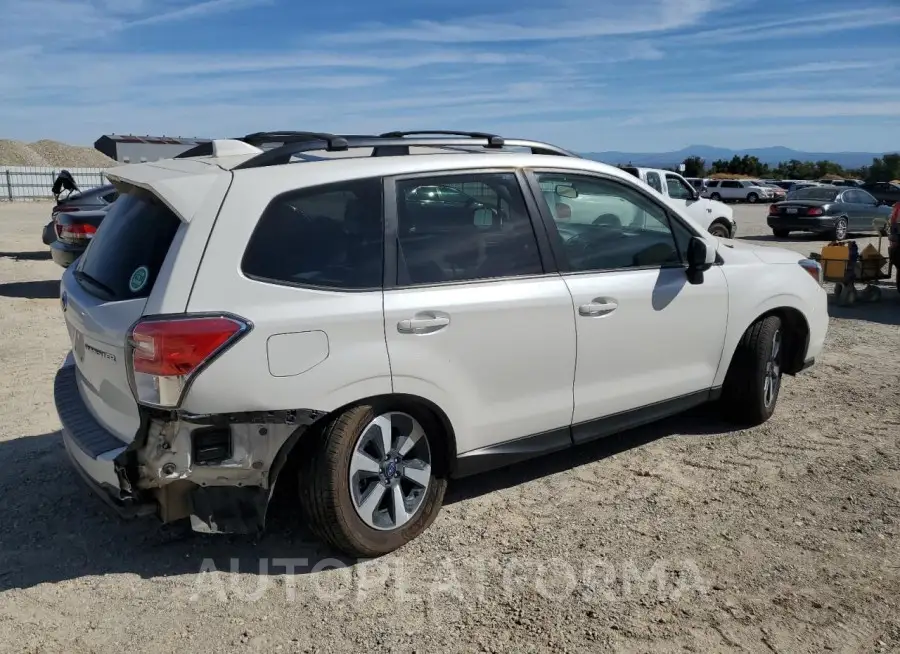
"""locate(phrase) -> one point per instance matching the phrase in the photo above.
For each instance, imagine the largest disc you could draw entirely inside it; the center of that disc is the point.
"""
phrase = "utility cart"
(845, 266)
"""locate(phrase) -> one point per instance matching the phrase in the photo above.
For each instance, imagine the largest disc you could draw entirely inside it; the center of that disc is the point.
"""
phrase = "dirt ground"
(684, 536)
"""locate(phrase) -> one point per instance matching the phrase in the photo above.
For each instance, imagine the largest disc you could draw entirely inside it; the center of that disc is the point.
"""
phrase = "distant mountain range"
(772, 156)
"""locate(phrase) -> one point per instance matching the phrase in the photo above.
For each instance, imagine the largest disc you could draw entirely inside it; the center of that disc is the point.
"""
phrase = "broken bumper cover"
(91, 448)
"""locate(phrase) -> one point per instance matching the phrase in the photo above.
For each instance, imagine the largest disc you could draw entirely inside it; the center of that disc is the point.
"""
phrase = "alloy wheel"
(390, 471)
(840, 229)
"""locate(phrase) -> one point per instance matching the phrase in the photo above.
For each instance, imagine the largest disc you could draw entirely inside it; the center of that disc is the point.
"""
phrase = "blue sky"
(634, 75)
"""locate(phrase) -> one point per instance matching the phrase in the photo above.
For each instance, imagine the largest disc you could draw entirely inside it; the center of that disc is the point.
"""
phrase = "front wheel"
(374, 480)
(752, 198)
(753, 382)
(720, 230)
(716, 197)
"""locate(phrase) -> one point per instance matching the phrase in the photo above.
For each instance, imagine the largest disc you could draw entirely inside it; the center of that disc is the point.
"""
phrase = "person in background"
(64, 182)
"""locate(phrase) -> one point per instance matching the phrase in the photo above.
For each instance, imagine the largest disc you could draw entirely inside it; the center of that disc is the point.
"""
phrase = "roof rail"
(389, 144)
(493, 140)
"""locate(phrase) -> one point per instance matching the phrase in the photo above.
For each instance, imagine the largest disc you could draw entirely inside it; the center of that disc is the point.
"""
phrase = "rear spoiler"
(182, 185)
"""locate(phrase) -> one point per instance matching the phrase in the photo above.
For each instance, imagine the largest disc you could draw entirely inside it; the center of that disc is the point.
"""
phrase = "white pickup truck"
(716, 217)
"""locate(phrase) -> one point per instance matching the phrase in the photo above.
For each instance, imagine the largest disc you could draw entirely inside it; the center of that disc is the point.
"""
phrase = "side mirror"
(700, 257)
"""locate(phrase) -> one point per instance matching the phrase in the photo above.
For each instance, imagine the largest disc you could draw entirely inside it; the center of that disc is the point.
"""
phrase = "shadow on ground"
(885, 311)
(45, 289)
(797, 237)
(40, 255)
(55, 530)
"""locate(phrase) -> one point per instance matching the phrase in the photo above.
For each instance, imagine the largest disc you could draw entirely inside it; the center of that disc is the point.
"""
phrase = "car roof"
(183, 183)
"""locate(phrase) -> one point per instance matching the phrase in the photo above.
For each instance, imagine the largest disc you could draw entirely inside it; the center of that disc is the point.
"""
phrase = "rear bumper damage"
(216, 470)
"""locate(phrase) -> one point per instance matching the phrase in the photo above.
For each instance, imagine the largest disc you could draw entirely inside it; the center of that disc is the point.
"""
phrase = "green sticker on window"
(138, 279)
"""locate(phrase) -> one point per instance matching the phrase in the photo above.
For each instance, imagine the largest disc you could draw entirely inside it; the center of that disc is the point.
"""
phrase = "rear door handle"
(424, 324)
(597, 308)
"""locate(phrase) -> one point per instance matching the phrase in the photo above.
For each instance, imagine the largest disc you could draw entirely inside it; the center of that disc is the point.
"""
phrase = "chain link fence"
(19, 183)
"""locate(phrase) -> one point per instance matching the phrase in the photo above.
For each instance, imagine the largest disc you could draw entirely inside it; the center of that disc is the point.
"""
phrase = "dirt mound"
(51, 154)
(16, 153)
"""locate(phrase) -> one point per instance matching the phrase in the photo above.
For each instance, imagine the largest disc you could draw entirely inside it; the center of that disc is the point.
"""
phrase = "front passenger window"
(611, 225)
(678, 190)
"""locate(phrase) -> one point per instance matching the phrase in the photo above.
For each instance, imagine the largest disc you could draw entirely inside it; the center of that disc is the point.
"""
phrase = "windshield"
(814, 193)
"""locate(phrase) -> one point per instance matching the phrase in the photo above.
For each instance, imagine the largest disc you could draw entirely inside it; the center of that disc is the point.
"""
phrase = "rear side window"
(129, 248)
(327, 236)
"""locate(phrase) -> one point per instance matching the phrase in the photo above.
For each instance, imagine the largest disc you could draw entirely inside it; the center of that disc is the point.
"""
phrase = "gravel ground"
(683, 536)
(51, 153)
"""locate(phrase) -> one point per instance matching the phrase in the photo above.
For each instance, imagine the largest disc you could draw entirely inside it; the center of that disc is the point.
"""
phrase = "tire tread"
(743, 388)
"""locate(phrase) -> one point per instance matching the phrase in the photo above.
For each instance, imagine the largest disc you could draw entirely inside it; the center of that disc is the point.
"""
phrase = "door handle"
(423, 324)
(595, 309)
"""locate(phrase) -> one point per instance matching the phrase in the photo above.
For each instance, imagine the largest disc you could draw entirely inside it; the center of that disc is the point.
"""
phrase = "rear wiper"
(82, 276)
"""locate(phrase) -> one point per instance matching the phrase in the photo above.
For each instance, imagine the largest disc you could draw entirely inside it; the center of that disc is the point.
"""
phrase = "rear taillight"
(164, 355)
(814, 211)
(76, 232)
(773, 209)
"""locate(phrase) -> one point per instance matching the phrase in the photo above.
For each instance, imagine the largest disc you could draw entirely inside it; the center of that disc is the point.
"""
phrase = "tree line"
(882, 169)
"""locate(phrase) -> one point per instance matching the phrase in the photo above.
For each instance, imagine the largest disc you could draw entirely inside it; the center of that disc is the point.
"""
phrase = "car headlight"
(814, 269)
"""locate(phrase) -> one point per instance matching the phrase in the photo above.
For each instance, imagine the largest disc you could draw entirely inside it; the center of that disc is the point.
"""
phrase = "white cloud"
(807, 24)
(565, 20)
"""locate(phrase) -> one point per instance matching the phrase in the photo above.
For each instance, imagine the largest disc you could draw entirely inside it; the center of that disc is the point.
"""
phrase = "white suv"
(737, 190)
(392, 312)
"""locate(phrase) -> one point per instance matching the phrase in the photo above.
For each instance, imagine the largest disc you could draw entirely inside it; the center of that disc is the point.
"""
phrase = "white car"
(737, 190)
(238, 310)
(716, 217)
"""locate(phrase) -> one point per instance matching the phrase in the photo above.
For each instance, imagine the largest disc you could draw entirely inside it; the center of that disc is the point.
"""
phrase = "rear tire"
(781, 233)
(839, 233)
(336, 491)
(753, 382)
(752, 198)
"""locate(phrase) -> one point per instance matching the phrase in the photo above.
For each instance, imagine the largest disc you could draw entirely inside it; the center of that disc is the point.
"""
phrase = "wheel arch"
(796, 328)
(305, 437)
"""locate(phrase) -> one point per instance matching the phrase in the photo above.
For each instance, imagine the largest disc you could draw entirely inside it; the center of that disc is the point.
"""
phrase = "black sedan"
(94, 199)
(73, 232)
(832, 210)
(884, 192)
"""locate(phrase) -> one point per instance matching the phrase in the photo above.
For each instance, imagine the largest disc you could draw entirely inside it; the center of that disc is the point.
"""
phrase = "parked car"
(74, 232)
(737, 190)
(699, 183)
(885, 192)
(832, 210)
(778, 193)
(95, 199)
(716, 217)
(243, 310)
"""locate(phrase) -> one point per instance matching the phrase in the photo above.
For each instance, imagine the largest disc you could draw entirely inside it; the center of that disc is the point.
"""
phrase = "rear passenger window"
(463, 227)
(129, 248)
(329, 236)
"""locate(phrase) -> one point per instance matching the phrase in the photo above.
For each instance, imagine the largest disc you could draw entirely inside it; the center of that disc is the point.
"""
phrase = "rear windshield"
(129, 248)
(814, 193)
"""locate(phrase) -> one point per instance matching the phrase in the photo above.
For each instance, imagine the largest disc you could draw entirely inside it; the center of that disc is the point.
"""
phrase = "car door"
(646, 338)
(684, 197)
(476, 321)
(877, 214)
(857, 210)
